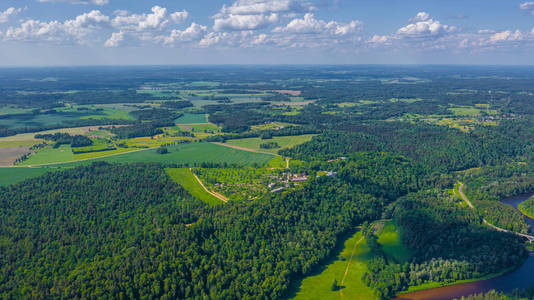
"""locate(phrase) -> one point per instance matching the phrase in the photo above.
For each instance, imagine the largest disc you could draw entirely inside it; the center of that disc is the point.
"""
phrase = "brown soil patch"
(9, 155)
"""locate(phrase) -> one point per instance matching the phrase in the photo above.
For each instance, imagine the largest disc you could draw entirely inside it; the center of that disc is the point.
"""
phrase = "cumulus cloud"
(8, 13)
(245, 22)
(527, 6)
(195, 32)
(424, 26)
(507, 35)
(308, 24)
(115, 40)
(257, 14)
(421, 16)
(379, 39)
(159, 19)
(74, 30)
(95, 2)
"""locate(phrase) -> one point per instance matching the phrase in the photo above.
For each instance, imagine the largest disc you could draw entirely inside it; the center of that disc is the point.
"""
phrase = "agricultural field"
(283, 141)
(189, 118)
(187, 180)
(191, 153)
(9, 155)
(50, 155)
(10, 176)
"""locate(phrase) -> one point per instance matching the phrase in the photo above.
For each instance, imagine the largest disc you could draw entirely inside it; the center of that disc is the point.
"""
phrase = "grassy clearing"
(390, 240)
(318, 286)
(283, 141)
(464, 111)
(187, 180)
(191, 119)
(193, 153)
(50, 155)
(10, 176)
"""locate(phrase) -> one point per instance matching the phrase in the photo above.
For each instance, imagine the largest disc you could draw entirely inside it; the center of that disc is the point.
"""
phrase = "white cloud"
(8, 13)
(95, 2)
(527, 6)
(308, 25)
(257, 14)
(421, 16)
(507, 35)
(159, 19)
(251, 7)
(195, 32)
(115, 40)
(245, 22)
(74, 30)
(212, 38)
(424, 26)
(379, 39)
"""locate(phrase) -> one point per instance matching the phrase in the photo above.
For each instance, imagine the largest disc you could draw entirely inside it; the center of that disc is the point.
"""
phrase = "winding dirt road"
(214, 194)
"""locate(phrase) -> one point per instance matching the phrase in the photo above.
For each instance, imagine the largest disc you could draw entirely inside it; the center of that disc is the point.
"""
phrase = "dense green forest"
(389, 143)
(449, 244)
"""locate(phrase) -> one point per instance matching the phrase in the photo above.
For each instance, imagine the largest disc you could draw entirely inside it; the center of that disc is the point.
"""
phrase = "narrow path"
(348, 265)
(243, 149)
(75, 161)
(287, 163)
(462, 195)
(214, 194)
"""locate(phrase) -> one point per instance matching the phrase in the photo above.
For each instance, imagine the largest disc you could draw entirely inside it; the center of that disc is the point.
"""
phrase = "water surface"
(520, 278)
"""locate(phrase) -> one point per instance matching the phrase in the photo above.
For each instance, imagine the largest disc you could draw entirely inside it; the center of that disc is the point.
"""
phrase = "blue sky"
(126, 32)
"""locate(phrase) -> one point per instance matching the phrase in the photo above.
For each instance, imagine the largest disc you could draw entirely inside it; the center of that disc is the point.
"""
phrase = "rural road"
(244, 149)
(214, 194)
(462, 195)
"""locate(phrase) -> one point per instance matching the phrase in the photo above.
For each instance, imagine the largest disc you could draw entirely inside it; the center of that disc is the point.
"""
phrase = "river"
(518, 279)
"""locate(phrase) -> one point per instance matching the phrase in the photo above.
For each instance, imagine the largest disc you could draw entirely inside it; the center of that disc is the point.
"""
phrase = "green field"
(13, 175)
(11, 144)
(390, 240)
(191, 119)
(187, 180)
(50, 155)
(283, 141)
(189, 153)
(318, 286)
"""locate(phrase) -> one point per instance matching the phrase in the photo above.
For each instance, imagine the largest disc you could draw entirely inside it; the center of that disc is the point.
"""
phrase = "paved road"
(462, 195)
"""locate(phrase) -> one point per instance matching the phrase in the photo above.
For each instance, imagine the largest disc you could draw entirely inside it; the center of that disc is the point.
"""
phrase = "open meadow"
(283, 142)
(185, 178)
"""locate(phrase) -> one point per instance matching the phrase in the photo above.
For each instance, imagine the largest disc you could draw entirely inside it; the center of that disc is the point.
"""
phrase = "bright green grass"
(191, 119)
(464, 111)
(522, 207)
(50, 155)
(390, 240)
(318, 286)
(283, 141)
(185, 178)
(199, 127)
(189, 153)
(11, 144)
(13, 175)
(110, 113)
